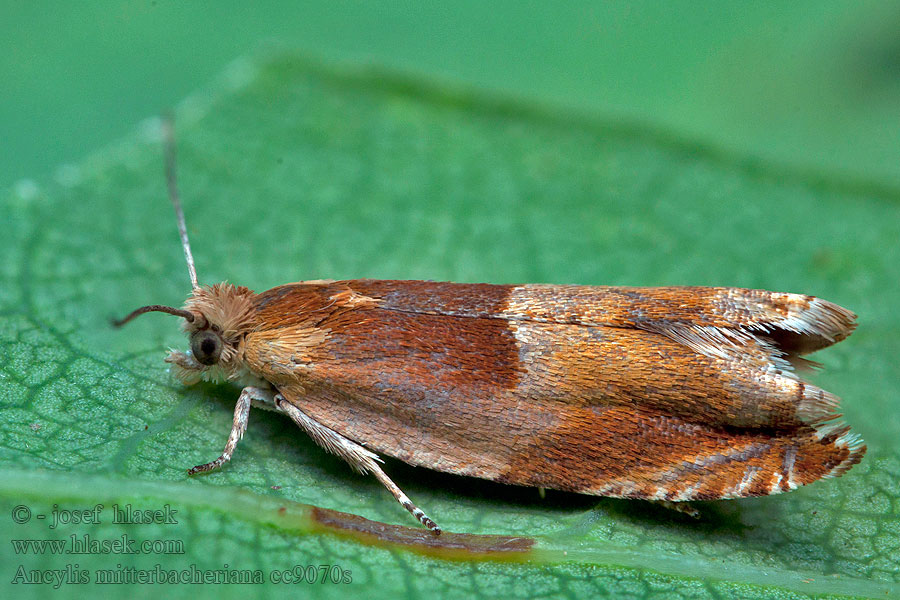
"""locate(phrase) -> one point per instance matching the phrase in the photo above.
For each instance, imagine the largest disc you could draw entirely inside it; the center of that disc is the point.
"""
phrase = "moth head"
(223, 315)
(215, 317)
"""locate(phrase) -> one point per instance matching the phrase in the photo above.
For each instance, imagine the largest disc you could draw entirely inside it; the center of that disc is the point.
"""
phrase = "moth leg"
(241, 415)
(680, 507)
(360, 459)
(184, 367)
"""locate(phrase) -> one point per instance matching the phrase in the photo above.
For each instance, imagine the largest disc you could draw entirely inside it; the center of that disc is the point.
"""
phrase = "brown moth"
(665, 393)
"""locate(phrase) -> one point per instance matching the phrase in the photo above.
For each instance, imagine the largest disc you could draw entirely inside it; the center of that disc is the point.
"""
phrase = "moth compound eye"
(206, 347)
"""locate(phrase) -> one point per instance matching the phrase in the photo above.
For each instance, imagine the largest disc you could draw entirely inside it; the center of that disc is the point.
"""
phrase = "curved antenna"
(168, 125)
(154, 308)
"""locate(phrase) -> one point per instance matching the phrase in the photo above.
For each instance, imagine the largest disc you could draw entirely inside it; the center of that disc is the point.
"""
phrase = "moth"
(657, 393)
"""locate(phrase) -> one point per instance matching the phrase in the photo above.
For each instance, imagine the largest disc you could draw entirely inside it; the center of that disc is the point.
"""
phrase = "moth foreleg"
(184, 367)
(361, 459)
(239, 426)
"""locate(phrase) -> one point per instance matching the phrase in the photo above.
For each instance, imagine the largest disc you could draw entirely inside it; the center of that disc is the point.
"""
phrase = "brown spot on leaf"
(454, 546)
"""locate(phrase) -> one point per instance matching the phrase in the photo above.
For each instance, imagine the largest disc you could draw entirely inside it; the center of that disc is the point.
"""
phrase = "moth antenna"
(154, 308)
(168, 125)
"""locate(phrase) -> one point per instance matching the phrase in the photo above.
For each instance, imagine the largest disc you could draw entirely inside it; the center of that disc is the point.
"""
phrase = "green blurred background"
(809, 85)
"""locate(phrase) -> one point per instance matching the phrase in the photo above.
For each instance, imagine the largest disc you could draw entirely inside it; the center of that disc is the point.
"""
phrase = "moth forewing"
(558, 394)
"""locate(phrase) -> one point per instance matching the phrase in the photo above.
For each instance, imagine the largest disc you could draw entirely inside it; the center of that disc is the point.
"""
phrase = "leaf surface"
(291, 170)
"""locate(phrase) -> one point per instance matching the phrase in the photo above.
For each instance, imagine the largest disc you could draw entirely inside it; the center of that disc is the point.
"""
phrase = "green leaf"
(290, 170)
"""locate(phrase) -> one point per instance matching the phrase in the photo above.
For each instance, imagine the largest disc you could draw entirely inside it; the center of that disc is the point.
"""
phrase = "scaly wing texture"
(674, 393)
